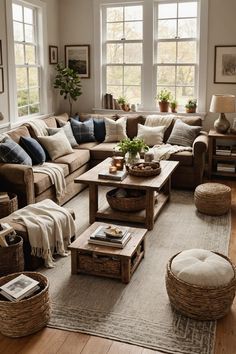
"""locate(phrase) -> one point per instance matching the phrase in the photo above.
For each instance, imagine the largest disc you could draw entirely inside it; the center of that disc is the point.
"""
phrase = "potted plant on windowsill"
(123, 103)
(191, 105)
(131, 148)
(164, 98)
(173, 106)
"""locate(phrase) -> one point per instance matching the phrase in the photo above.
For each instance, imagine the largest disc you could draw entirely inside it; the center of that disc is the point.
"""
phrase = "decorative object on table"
(113, 174)
(173, 106)
(222, 104)
(112, 236)
(77, 58)
(126, 199)
(225, 64)
(131, 148)
(195, 289)
(133, 107)
(118, 162)
(67, 80)
(1, 80)
(122, 101)
(145, 169)
(148, 156)
(212, 198)
(191, 105)
(8, 204)
(53, 54)
(26, 316)
(164, 97)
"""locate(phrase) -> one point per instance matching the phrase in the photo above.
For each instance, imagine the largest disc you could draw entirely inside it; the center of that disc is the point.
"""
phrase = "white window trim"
(42, 43)
(148, 91)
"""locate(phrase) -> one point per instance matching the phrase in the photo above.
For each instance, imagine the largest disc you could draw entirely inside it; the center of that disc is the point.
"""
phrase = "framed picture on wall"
(225, 64)
(77, 57)
(1, 53)
(1, 81)
(53, 54)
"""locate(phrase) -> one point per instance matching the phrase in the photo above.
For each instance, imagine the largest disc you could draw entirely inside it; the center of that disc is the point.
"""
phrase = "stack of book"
(19, 288)
(118, 176)
(110, 102)
(110, 236)
(225, 167)
(4, 197)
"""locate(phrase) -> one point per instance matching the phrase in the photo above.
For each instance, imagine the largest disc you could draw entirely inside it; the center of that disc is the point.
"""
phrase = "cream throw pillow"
(151, 135)
(115, 130)
(202, 267)
(56, 145)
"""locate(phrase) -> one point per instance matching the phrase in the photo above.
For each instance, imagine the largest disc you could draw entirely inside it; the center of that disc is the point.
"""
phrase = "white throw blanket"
(56, 174)
(163, 152)
(155, 120)
(50, 228)
(39, 127)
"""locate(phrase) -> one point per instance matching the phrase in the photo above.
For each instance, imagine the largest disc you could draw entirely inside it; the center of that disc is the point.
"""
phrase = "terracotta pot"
(125, 107)
(164, 106)
(173, 110)
(191, 110)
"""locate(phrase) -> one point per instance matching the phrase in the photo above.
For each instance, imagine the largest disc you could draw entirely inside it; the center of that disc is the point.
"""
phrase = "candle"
(112, 169)
(118, 161)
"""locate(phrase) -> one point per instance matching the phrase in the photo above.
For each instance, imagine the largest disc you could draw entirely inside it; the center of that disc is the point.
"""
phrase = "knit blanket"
(155, 120)
(50, 228)
(163, 152)
(56, 175)
(39, 127)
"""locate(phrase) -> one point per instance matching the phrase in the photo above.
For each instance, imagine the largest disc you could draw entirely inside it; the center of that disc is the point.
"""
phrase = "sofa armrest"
(19, 178)
(200, 144)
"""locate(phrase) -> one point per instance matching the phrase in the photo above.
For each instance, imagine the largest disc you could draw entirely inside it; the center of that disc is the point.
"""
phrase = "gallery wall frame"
(77, 56)
(225, 64)
(53, 54)
(1, 63)
(1, 80)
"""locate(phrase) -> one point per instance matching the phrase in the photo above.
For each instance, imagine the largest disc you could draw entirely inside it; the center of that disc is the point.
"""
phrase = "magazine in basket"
(19, 288)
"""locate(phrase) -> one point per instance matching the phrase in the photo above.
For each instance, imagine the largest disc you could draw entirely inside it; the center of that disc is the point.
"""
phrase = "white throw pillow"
(151, 135)
(202, 267)
(57, 145)
(115, 130)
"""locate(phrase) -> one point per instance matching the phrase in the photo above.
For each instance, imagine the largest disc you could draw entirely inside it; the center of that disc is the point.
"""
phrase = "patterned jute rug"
(140, 312)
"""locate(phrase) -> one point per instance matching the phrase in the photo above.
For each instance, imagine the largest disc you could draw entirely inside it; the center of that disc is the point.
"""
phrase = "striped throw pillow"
(183, 134)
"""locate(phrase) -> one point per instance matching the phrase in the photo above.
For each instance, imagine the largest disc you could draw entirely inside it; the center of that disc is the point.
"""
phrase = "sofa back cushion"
(16, 134)
(132, 124)
(11, 152)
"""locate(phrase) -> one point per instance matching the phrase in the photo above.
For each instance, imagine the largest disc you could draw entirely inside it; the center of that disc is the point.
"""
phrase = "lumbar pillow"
(67, 130)
(33, 149)
(115, 130)
(56, 145)
(183, 134)
(11, 152)
(202, 267)
(83, 131)
(151, 135)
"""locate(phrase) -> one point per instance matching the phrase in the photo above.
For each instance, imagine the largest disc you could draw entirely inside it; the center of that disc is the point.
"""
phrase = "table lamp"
(222, 104)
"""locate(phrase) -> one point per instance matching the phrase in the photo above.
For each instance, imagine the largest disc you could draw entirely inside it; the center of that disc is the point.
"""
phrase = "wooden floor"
(50, 341)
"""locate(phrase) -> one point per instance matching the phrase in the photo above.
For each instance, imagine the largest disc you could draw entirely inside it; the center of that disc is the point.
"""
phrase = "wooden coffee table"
(107, 261)
(147, 217)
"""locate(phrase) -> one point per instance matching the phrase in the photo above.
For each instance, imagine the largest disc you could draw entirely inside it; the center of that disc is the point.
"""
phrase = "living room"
(76, 23)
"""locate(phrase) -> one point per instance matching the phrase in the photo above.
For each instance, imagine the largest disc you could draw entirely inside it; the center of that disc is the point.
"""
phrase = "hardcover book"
(111, 243)
(118, 176)
(101, 234)
(19, 288)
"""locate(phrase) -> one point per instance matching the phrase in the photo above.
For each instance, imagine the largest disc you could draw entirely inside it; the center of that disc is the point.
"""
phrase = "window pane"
(185, 75)
(188, 9)
(133, 30)
(183, 94)
(17, 12)
(22, 98)
(166, 29)
(116, 91)
(29, 33)
(19, 54)
(166, 75)
(18, 31)
(34, 96)
(33, 77)
(132, 75)
(169, 88)
(23, 111)
(114, 75)
(167, 11)
(187, 28)
(34, 109)
(133, 13)
(115, 14)
(114, 53)
(30, 54)
(133, 53)
(186, 52)
(28, 15)
(114, 31)
(166, 52)
(21, 78)
(133, 94)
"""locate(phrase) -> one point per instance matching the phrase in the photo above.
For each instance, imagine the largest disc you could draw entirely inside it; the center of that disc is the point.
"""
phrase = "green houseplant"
(191, 105)
(173, 106)
(131, 148)
(122, 100)
(164, 97)
(68, 82)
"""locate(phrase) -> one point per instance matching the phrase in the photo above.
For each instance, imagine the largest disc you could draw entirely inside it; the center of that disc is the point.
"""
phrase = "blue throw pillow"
(83, 131)
(99, 129)
(11, 152)
(33, 149)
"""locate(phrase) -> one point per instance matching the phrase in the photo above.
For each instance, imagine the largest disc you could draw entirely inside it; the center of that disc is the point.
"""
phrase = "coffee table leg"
(93, 202)
(74, 264)
(167, 187)
(149, 210)
(125, 270)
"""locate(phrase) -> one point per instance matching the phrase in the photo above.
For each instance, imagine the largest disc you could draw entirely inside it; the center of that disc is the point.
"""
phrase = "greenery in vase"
(192, 103)
(68, 81)
(133, 146)
(164, 96)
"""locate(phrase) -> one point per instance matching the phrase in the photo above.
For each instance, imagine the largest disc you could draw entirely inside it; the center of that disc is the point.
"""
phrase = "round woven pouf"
(201, 284)
(212, 198)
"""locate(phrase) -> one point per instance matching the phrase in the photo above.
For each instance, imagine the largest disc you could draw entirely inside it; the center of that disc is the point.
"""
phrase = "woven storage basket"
(26, 316)
(102, 265)
(156, 169)
(126, 203)
(212, 198)
(200, 303)
(12, 257)
(6, 208)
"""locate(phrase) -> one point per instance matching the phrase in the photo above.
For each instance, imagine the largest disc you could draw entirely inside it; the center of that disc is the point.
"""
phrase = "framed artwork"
(1, 52)
(225, 64)
(1, 81)
(53, 54)
(77, 57)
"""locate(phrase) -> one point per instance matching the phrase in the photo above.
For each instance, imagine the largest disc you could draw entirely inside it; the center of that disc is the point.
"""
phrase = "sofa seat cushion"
(75, 160)
(102, 151)
(42, 181)
(185, 158)
(87, 146)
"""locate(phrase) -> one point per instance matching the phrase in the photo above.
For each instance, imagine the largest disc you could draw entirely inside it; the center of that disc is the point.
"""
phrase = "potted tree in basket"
(131, 149)
(68, 81)
(191, 105)
(164, 98)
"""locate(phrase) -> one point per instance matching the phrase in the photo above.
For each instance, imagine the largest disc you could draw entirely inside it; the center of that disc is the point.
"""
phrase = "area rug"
(140, 312)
